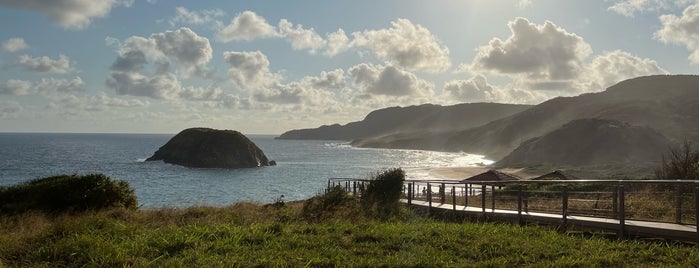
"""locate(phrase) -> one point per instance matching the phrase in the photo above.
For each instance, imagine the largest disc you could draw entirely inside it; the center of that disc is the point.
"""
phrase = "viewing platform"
(659, 209)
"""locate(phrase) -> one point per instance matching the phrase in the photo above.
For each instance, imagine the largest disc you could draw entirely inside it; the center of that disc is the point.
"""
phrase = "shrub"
(335, 203)
(681, 164)
(67, 193)
(382, 196)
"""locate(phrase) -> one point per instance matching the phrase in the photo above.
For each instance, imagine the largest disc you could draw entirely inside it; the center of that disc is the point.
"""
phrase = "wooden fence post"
(678, 204)
(492, 198)
(519, 206)
(453, 197)
(483, 198)
(410, 193)
(622, 213)
(564, 212)
(429, 198)
(465, 195)
(615, 203)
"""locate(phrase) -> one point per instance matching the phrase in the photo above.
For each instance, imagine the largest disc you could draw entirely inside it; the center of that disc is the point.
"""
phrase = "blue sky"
(264, 67)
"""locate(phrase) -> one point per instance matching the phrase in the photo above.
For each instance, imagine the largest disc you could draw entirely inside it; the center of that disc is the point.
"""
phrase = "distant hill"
(667, 104)
(427, 117)
(590, 142)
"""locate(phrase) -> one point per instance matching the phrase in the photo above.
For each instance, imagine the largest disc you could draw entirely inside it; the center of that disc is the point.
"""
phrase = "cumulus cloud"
(245, 26)
(542, 62)
(406, 45)
(181, 50)
(301, 38)
(250, 72)
(682, 30)
(185, 16)
(14, 45)
(537, 51)
(70, 14)
(45, 85)
(185, 47)
(248, 69)
(45, 64)
(475, 89)
(612, 67)
(630, 8)
(389, 81)
(96, 103)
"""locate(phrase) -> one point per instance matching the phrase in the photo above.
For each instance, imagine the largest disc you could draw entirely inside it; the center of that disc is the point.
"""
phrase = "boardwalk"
(680, 232)
(636, 208)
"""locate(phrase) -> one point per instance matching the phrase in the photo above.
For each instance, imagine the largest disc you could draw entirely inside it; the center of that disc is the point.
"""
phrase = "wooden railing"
(660, 201)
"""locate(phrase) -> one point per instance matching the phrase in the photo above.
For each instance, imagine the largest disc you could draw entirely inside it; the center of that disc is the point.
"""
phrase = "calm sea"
(302, 170)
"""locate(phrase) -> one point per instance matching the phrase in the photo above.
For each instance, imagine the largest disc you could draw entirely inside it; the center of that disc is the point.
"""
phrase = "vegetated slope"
(590, 142)
(668, 104)
(426, 117)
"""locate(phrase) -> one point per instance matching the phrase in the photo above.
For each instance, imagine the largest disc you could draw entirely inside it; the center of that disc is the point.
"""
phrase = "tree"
(682, 163)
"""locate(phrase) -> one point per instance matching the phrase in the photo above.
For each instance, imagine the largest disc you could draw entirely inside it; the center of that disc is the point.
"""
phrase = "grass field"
(252, 235)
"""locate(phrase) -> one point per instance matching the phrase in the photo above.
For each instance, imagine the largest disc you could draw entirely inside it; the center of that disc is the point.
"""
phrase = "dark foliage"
(335, 203)
(67, 193)
(682, 163)
(381, 198)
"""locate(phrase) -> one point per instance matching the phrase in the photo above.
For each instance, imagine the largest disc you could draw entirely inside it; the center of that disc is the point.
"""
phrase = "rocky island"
(211, 148)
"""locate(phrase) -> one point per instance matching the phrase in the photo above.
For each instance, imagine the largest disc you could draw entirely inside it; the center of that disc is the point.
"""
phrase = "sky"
(265, 67)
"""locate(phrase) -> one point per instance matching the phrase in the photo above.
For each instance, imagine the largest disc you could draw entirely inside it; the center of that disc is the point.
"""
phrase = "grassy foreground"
(249, 235)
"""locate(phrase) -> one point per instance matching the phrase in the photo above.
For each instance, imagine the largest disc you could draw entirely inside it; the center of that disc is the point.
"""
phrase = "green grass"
(251, 235)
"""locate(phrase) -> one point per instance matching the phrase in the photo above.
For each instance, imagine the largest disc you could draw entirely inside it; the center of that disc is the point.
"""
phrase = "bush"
(681, 164)
(382, 196)
(336, 203)
(67, 193)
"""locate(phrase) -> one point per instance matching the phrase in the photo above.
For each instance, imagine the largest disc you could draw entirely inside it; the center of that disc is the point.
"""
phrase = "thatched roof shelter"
(556, 175)
(492, 175)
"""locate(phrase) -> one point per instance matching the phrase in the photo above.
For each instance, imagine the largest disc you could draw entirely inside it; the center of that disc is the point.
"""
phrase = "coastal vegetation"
(330, 229)
(67, 193)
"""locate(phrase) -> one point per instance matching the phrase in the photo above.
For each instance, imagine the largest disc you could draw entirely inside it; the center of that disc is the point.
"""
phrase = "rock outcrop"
(211, 148)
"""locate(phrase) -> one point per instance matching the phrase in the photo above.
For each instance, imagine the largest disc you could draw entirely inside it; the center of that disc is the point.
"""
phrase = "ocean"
(302, 170)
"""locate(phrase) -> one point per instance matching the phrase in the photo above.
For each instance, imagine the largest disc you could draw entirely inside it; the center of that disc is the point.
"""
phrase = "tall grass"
(255, 235)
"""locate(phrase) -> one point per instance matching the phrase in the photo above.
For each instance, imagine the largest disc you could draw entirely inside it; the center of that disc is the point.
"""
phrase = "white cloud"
(301, 38)
(389, 81)
(70, 14)
(45, 85)
(45, 64)
(185, 47)
(542, 62)
(245, 26)
(612, 67)
(94, 103)
(185, 16)
(538, 51)
(406, 45)
(682, 30)
(248, 70)
(160, 86)
(475, 89)
(630, 8)
(14, 45)
(182, 48)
